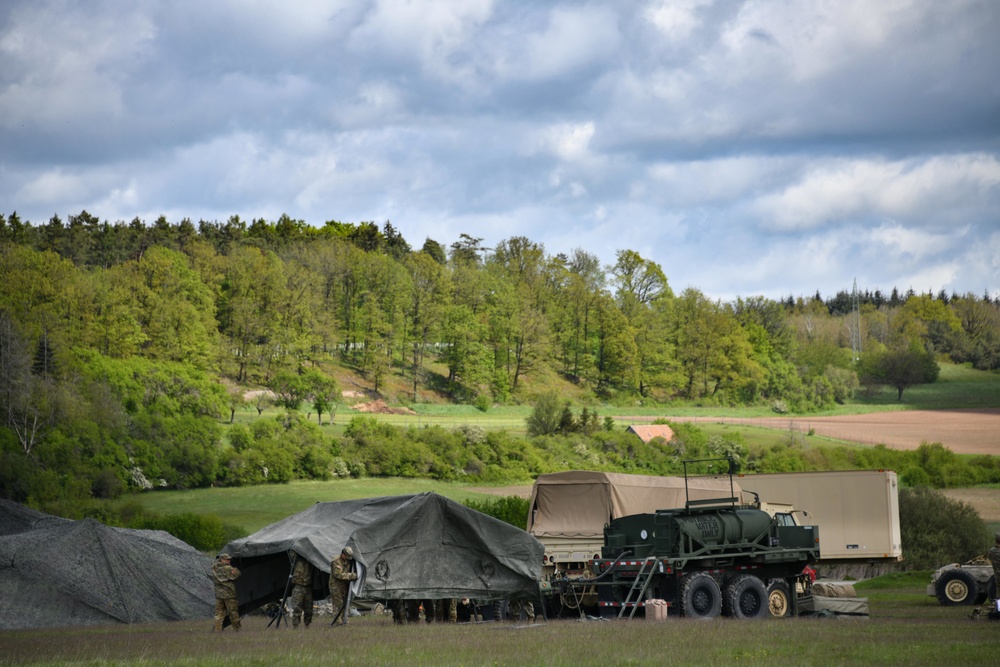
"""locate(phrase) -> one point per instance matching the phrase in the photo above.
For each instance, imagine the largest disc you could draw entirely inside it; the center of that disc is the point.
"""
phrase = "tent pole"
(281, 607)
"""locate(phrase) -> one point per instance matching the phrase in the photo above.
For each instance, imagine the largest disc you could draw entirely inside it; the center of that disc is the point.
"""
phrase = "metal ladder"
(639, 586)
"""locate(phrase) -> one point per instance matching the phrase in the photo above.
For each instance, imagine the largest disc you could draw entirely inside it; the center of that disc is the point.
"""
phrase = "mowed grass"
(957, 387)
(906, 627)
(253, 507)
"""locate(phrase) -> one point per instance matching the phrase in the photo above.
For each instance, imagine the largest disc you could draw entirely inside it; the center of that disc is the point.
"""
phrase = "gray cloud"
(748, 147)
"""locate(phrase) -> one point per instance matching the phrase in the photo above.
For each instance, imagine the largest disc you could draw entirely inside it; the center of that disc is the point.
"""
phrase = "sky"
(773, 148)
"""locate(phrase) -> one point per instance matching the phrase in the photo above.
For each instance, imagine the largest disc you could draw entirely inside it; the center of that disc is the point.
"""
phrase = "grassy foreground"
(906, 627)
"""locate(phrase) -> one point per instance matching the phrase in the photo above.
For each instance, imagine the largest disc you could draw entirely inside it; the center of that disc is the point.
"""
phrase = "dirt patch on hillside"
(974, 431)
(379, 407)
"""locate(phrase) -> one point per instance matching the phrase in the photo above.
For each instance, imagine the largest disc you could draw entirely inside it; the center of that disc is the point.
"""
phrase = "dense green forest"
(124, 348)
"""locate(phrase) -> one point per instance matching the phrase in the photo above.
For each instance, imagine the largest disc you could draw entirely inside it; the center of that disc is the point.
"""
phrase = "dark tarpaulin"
(422, 546)
(65, 572)
(16, 518)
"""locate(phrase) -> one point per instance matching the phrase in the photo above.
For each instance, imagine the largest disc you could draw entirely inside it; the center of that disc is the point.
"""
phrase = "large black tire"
(779, 598)
(956, 587)
(501, 610)
(700, 596)
(746, 598)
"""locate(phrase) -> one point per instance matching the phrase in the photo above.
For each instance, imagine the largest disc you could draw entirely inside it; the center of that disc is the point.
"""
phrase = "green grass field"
(253, 507)
(906, 627)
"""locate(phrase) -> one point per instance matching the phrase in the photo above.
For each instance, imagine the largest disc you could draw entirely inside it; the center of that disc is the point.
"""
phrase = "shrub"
(316, 462)
(340, 468)
(731, 447)
(545, 416)
(512, 509)
(936, 530)
(203, 532)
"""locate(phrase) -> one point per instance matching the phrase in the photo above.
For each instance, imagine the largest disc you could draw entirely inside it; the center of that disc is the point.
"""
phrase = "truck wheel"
(501, 610)
(779, 598)
(700, 596)
(746, 597)
(956, 587)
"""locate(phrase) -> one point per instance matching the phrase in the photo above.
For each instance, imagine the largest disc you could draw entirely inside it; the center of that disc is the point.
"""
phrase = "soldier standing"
(302, 597)
(446, 610)
(224, 577)
(527, 606)
(340, 576)
(994, 555)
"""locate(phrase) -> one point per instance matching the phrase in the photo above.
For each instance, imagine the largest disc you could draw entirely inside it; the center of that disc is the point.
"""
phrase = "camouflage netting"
(56, 572)
(16, 518)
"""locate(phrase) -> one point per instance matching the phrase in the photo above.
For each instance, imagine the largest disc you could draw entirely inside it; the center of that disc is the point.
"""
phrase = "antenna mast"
(855, 323)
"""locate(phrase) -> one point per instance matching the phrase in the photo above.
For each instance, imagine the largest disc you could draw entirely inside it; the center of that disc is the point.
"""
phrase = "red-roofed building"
(648, 432)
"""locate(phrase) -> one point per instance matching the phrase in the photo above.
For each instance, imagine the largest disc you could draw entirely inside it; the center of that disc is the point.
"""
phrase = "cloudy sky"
(748, 147)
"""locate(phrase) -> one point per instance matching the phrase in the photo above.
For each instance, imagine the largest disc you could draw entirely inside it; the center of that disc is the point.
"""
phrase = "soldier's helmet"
(224, 556)
(349, 552)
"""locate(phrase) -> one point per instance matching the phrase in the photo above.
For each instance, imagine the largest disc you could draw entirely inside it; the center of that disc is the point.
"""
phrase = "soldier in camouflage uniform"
(994, 555)
(302, 596)
(446, 610)
(224, 577)
(340, 578)
(516, 606)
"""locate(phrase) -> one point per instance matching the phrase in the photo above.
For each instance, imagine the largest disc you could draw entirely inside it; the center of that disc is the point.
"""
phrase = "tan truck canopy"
(579, 503)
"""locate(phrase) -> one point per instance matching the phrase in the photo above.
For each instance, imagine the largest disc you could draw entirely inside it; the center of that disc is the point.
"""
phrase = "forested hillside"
(124, 347)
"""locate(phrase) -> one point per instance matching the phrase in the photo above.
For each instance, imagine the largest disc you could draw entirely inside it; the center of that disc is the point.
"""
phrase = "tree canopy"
(123, 345)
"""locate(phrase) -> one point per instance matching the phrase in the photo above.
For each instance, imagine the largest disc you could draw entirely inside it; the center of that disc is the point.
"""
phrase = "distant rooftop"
(647, 433)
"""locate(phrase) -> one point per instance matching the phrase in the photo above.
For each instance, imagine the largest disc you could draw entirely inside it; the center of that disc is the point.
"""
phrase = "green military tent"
(410, 547)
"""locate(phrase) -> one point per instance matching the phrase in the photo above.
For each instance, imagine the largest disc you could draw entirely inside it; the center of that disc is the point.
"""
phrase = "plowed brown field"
(975, 431)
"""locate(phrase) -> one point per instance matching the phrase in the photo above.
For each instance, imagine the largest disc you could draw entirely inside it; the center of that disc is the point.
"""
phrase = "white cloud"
(569, 142)
(894, 240)
(273, 22)
(65, 63)
(52, 185)
(809, 40)
(425, 31)
(676, 19)
(572, 38)
(721, 181)
(846, 189)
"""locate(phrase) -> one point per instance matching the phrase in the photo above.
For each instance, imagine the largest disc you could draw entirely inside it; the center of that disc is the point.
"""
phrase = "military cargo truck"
(569, 510)
(856, 511)
(709, 557)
